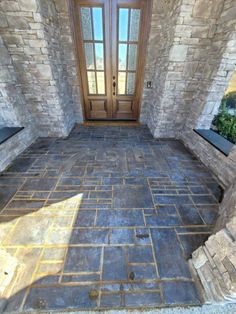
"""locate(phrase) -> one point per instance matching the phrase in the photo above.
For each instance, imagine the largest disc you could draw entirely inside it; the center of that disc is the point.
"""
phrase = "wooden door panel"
(98, 109)
(124, 109)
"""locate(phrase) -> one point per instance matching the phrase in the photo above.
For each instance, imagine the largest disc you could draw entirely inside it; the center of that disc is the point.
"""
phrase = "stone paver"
(106, 218)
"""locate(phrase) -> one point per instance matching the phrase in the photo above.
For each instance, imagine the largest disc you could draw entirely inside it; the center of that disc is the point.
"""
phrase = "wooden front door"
(111, 39)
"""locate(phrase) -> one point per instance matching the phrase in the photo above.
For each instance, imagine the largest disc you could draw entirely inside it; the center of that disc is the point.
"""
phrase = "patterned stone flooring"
(106, 218)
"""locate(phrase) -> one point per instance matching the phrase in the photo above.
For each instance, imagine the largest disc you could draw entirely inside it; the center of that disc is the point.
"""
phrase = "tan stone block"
(28, 5)
(231, 226)
(61, 5)
(3, 21)
(200, 31)
(19, 23)
(207, 9)
(37, 43)
(199, 258)
(178, 52)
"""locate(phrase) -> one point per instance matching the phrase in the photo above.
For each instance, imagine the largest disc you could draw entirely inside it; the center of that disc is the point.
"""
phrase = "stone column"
(13, 110)
(32, 36)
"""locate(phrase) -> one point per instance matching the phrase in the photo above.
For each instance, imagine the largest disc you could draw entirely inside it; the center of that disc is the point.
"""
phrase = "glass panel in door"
(128, 39)
(93, 43)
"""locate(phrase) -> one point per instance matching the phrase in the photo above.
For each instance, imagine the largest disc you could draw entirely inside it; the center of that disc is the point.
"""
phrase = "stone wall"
(155, 100)
(190, 61)
(30, 31)
(69, 55)
(215, 66)
(13, 111)
(224, 167)
(215, 264)
(215, 261)
(227, 208)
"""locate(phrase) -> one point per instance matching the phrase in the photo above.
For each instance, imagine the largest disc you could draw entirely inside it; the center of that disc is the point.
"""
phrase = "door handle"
(114, 88)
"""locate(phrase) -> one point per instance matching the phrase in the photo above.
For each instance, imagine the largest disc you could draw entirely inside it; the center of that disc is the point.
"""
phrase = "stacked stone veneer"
(215, 262)
(12, 102)
(14, 111)
(191, 59)
(164, 19)
(42, 54)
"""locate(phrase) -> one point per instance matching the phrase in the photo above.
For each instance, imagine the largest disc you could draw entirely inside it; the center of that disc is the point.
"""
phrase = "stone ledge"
(15, 145)
(218, 141)
(7, 132)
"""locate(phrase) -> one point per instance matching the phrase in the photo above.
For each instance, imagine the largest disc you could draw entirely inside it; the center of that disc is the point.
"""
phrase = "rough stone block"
(178, 53)
(37, 43)
(206, 9)
(28, 5)
(3, 21)
(8, 6)
(231, 226)
(61, 5)
(5, 75)
(13, 39)
(19, 23)
(44, 71)
(4, 56)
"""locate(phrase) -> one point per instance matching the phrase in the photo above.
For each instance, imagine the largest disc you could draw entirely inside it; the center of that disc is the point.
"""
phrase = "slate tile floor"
(106, 218)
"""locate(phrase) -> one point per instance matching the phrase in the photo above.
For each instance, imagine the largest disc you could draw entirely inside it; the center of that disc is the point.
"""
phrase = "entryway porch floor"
(105, 219)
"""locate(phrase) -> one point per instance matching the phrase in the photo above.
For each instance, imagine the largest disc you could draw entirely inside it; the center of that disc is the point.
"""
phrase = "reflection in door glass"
(134, 25)
(132, 57)
(88, 47)
(86, 23)
(97, 24)
(91, 82)
(101, 82)
(130, 83)
(121, 83)
(122, 56)
(123, 24)
(99, 56)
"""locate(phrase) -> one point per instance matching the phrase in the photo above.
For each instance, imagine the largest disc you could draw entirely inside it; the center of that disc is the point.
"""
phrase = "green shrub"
(226, 124)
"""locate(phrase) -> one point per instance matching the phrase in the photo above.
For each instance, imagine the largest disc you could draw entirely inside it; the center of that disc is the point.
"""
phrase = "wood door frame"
(71, 4)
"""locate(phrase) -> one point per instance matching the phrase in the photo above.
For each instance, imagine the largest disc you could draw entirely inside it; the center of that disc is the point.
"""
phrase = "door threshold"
(111, 123)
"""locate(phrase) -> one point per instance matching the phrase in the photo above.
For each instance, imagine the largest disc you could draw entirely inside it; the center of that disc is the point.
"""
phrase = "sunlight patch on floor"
(27, 238)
